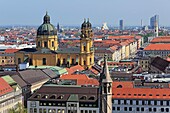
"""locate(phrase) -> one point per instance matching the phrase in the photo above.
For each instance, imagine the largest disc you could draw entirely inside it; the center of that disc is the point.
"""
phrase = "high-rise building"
(153, 20)
(156, 29)
(58, 27)
(121, 25)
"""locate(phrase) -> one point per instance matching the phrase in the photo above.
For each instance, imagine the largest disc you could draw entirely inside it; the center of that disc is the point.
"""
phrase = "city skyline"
(73, 12)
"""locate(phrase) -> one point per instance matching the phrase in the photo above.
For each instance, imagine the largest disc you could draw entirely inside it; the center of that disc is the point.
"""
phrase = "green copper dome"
(47, 28)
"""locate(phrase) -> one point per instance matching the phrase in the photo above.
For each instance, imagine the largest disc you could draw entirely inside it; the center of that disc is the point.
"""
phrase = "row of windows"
(88, 105)
(144, 66)
(51, 104)
(145, 62)
(141, 102)
(142, 109)
(43, 110)
(49, 97)
(118, 94)
(88, 111)
(44, 61)
(6, 57)
(45, 44)
(84, 97)
(8, 61)
(61, 104)
(12, 103)
(157, 52)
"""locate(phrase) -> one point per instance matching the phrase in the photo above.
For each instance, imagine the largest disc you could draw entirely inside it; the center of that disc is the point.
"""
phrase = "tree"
(19, 109)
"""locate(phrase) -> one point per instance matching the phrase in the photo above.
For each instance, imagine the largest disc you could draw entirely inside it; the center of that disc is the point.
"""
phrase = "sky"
(73, 12)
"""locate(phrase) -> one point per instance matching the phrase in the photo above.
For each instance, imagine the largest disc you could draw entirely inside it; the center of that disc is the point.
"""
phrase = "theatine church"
(48, 53)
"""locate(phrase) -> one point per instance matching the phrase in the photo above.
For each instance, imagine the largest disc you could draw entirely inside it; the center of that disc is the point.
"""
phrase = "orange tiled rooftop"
(161, 39)
(125, 90)
(158, 47)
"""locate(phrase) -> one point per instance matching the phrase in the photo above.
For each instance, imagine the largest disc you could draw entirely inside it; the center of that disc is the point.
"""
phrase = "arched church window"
(30, 62)
(45, 44)
(64, 61)
(39, 43)
(52, 44)
(58, 62)
(72, 60)
(19, 60)
(44, 61)
(105, 87)
(84, 48)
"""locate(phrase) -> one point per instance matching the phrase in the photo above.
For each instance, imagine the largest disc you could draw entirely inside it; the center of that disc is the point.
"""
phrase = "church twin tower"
(86, 45)
(48, 53)
(47, 38)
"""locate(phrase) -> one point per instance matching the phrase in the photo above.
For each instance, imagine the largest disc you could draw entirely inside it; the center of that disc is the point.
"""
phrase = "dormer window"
(84, 97)
(37, 96)
(60, 97)
(45, 96)
(53, 97)
(92, 98)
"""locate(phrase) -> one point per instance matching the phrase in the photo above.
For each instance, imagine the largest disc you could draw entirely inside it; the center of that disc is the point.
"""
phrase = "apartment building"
(60, 98)
(159, 49)
(7, 57)
(129, 98)
(9, 97)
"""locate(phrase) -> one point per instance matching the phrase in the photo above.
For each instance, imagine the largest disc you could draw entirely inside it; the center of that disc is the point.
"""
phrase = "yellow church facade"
(48, 53)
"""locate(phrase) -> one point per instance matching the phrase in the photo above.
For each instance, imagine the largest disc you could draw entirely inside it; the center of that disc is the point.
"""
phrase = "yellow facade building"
(48, 53)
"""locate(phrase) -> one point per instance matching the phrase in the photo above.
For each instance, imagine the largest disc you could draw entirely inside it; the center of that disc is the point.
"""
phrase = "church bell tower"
(86, 45)
(105, 89)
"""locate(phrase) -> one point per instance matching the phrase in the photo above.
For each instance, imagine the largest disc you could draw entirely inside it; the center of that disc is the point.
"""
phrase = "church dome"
(88, 24)
(84, 24)
(47, 28)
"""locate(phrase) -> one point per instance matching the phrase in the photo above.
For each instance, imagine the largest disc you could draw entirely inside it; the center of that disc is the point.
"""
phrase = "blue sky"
(72, 12)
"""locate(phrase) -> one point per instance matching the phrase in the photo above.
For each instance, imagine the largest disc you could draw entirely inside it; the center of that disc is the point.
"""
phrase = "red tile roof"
(72, 69)
(11, 50)
(158, 47)
(4, 87)
(128, 92)
(124, 84)
(164, 39)
(75, 76)
(121, 37)
(114, 47)
(168, 59)
(94, 71)
(82, 79)
(120, 63)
